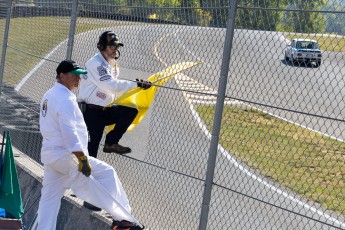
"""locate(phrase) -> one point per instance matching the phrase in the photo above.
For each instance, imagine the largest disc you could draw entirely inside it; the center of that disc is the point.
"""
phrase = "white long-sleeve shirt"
(101, 85)
(61, 124)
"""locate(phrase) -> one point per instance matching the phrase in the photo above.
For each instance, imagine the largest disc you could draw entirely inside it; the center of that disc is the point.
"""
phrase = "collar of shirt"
(109, 65)
(61, 86)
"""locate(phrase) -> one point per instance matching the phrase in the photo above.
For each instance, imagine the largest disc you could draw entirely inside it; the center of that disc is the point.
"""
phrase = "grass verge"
(304, 161)
(32, 38)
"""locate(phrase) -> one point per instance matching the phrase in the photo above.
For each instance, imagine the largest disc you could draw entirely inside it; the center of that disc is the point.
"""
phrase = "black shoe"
(125, 225)
(116, 148)
(91, 207)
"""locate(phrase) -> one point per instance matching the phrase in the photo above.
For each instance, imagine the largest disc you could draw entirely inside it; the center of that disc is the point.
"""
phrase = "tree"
(186, 12)
(217, 11)
(251, 14)
(192, 14)
(260, 14)
(335, 17)
(302, 16)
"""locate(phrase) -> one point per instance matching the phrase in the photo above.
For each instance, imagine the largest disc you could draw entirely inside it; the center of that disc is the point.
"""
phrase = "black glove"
(143, 84)
(84, 166)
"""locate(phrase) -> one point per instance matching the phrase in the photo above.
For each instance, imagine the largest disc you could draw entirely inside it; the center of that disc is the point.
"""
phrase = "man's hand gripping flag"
(142, 99)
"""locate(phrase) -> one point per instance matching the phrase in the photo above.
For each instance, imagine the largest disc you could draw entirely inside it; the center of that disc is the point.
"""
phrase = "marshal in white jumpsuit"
(64, 131)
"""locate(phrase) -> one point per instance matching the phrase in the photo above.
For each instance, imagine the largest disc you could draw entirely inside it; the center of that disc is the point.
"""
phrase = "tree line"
(300, 16)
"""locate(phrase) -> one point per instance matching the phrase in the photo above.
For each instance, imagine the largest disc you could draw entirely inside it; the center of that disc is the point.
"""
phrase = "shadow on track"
(299, 64)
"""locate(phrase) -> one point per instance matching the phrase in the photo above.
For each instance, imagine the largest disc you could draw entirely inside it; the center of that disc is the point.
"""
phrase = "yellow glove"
(84, 166)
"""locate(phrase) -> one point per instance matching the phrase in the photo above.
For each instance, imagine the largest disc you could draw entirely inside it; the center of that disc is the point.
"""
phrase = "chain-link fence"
(253, 138)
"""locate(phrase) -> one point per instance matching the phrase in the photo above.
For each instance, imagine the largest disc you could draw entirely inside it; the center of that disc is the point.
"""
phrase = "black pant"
(97, 119)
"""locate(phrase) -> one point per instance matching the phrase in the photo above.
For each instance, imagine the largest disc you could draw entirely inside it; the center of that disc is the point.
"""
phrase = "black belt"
(97, 107)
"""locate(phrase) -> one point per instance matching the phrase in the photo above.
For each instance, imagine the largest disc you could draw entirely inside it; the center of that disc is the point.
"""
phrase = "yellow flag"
(142, 99)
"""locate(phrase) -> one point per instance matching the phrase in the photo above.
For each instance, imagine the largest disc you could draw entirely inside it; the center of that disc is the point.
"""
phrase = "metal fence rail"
(249, 139)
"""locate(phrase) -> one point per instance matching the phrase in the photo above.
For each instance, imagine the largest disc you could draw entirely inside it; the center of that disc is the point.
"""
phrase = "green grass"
(326, 42)
(38, 36)
(304, 161)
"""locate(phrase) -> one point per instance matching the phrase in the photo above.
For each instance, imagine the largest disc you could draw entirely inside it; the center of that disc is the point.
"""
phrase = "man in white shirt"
(67, 163)
(99, 88)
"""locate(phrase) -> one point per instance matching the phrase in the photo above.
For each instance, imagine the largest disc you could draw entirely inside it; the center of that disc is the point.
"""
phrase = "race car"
(303, 51)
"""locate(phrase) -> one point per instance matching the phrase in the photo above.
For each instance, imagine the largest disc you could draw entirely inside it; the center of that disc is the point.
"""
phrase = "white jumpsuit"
(101, 86)
(64, 131)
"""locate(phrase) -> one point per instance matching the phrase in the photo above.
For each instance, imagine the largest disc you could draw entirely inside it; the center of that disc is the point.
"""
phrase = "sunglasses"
(114, 47)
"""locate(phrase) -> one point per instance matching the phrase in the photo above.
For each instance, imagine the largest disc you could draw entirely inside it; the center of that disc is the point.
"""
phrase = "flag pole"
(1, 161)
(2, 143)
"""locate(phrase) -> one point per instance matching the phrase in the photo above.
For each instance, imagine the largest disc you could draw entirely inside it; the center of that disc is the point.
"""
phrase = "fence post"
(4, 44)
(70, 43)
(230, 27)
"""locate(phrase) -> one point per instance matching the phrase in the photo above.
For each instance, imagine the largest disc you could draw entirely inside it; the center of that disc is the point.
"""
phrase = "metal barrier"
(252, 138)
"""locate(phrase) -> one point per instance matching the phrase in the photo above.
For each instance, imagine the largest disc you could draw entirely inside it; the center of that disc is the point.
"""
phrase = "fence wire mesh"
(280, 158)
